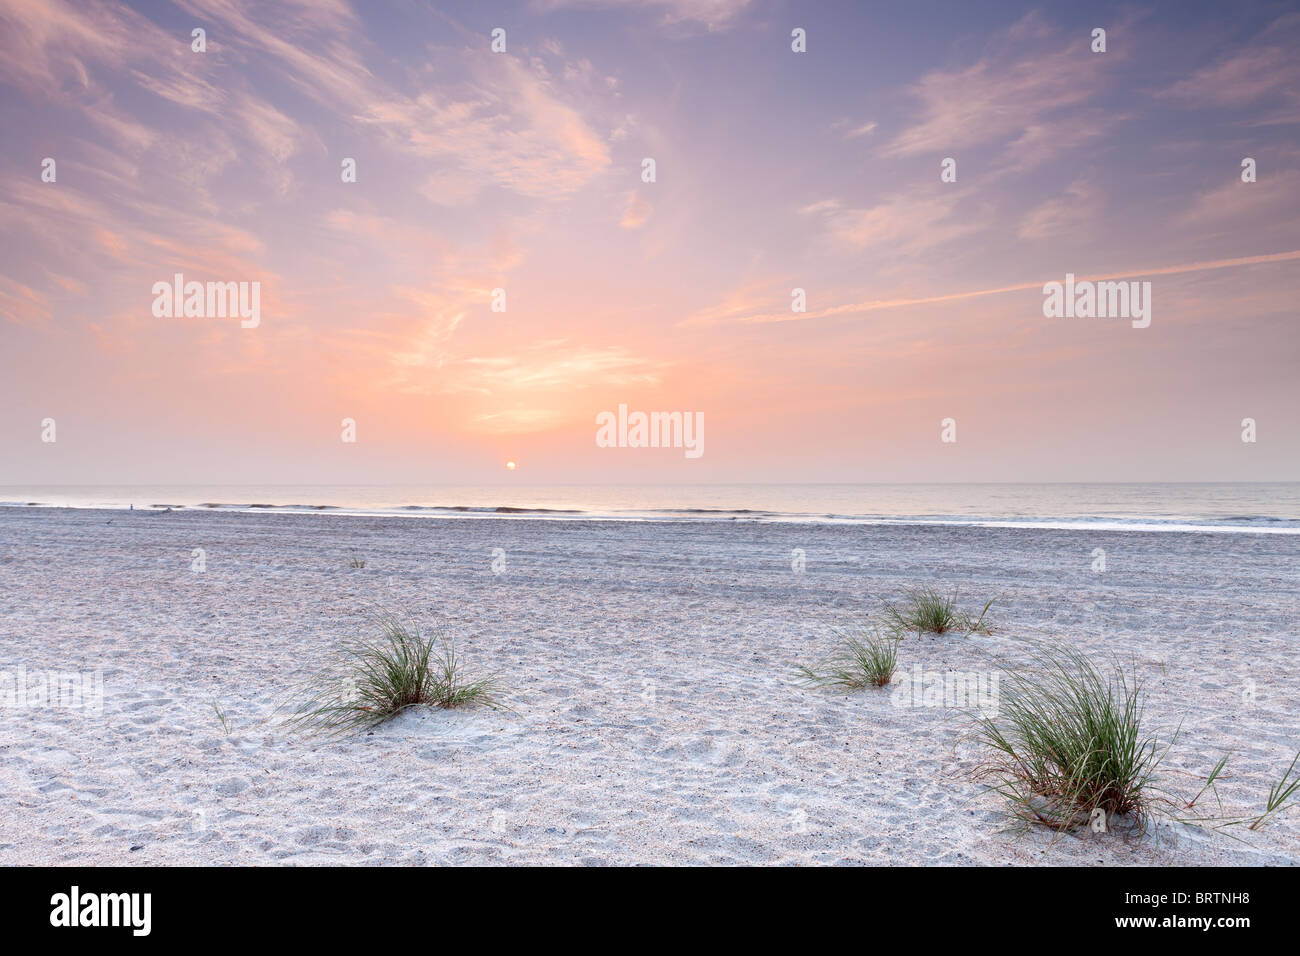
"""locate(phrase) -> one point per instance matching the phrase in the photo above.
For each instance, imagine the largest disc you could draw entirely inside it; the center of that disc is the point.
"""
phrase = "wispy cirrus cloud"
(905, 222)
(86, 56)
(53, 45)
(1079, 205)
(1264, 209)
(1263, 75)
(504, 122)
(504, 126)
(712, 14)
(1024, 94)
(21, 304)
(852, 130)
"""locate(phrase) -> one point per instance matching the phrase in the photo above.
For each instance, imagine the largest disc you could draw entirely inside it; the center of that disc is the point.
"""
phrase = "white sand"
(656, 717)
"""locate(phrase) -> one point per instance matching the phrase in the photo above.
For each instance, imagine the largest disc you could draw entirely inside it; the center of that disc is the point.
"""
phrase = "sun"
(510, 466)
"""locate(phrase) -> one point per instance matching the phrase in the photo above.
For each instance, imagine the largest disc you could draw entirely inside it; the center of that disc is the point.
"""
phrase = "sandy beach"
(655, 717)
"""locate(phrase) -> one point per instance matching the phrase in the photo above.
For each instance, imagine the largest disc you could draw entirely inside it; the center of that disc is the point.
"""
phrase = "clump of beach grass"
(405, 666)
(865, 659)
(357, 562)
(1068, 740)
(928, 611)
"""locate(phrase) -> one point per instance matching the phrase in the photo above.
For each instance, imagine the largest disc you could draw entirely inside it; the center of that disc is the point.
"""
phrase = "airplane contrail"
(877, 304)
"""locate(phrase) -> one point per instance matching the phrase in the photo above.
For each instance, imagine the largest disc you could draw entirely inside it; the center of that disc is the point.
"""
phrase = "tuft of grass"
(405, 666)
(1068, 740)
(865, 661)
(1278, 794)
(357, 562)
(1210, 783)
(927, 611)
(221, 716)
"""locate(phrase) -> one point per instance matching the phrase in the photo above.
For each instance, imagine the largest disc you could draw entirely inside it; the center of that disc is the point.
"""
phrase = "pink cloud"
(637, 211)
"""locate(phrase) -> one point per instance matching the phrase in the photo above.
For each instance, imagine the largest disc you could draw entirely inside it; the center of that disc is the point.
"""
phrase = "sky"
(523, 171)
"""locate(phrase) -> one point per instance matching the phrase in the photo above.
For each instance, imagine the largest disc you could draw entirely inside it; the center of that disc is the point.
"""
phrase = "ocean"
(1231, 507)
